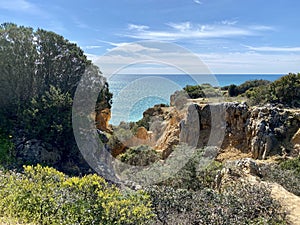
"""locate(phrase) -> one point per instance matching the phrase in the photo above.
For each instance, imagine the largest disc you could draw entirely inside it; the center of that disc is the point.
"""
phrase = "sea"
(133, 94)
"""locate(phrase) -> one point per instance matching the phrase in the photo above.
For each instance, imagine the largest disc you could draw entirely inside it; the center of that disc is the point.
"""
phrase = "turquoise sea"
(133, 94)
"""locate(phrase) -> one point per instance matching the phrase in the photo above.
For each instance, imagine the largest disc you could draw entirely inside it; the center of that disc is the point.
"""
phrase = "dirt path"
(289, 201)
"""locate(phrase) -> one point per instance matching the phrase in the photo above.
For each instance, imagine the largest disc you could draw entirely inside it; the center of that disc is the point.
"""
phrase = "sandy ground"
(289, 201)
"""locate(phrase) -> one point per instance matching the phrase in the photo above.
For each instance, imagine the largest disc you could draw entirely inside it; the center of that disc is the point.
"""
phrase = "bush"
(7, 154)
(286, 174)
(201, 91)
(234, 90)
(291, 164)
(142, 155)
(241, 204)
(198, 173)
(43, 195)
(285, 90)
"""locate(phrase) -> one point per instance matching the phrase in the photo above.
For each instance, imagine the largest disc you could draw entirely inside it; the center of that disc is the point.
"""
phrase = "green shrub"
(242, 203)
(234, 90)
(42, 195)
(291, 164)
(286, 174)
(201, 91)
(199, 172)
(142, 155)
(285, 90)
(7, 154)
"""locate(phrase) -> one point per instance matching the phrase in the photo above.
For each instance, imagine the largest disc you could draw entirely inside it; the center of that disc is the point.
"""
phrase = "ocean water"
(133, 94)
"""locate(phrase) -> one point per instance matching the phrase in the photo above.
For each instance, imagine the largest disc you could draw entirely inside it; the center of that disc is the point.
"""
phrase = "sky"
(229, 36)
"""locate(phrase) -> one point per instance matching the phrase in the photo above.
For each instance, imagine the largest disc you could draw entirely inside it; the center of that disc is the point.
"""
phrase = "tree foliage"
(201, 91)
(39, 73)
(235, 90)
(285, 90)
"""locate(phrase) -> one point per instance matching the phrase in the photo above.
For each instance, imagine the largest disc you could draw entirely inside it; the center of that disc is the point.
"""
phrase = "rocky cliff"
(257, 131)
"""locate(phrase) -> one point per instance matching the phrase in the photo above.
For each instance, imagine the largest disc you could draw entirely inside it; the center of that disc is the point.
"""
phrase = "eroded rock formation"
(258, 131)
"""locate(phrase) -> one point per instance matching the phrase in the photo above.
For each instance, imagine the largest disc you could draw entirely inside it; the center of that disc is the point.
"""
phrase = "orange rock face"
(102, 120)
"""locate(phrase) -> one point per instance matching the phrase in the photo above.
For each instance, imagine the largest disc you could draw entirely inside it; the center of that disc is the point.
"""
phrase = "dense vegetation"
(235, 90)
(285, 90)
(40, 71)
(201, 91)
(286, 173)
(241, 204)
(42, 195)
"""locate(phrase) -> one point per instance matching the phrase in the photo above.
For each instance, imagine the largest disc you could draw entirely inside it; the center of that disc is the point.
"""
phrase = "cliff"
(258, 132)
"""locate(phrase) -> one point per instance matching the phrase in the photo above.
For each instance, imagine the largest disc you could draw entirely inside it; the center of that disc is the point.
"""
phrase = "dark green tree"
(39, 74)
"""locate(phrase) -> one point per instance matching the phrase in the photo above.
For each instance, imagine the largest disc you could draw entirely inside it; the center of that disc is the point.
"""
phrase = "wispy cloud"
(181, 26)
(114, 44)
(273, 49)
(92, 47)
(187, 30)
(137, 27)
(229, 22)
(198, 2)
(20, 6)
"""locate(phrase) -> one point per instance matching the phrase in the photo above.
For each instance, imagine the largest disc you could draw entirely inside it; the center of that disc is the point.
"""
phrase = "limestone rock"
(142, 133)
(237, 170)
(102, 120)
(296, 138)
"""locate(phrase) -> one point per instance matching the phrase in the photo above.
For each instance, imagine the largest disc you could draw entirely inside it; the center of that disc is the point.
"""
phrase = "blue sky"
(229, 36)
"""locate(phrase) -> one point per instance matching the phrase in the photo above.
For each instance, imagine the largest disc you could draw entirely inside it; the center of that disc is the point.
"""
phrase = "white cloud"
(261, 28)
(229, 22)
(198, 2)
(247, 62)
(92, 47)
(188, 30)
(181, 26)
(114, 44)
(20, 6)
(273, 49)
(137, 27)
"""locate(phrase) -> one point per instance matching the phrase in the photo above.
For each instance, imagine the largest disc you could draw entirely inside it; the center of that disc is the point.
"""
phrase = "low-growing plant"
(286, 174)
(42, 195)
(142, 155)
(7, 154)
(291, 164)
(240, 204)
(199, 172)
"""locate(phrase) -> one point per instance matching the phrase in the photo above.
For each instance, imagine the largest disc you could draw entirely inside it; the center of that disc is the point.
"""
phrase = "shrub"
(199, 172)
(285, 90)
(142, 155)
(291, 164)
(7, 154)
(43, 195)
(284, 175)
(234, 90)
(241, 204)
(201, 91)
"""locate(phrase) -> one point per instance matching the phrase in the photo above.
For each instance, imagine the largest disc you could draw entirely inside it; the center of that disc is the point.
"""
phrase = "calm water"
(133, 94)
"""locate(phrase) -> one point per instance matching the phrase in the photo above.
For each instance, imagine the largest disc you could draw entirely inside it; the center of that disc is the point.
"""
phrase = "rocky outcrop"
(256, 132)
(262, 131)
(165, 131)
(237, 170)
(102, 120)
